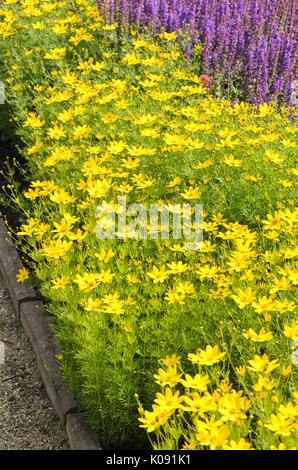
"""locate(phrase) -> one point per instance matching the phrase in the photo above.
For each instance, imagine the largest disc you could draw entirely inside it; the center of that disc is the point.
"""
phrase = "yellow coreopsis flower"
(59, 282)
(152, 420)
(169, 401)
(244, 297)
(174, 297)
(55, 54)
(280, 424)
(281, 446)
(208, 271)
(264, 304)
(33, 120)
(56, 132)
(104, 255)
(262, 364)
(208, 357)
(176, 268)
(272, 157)
(110, 27)
(242, 444)
(168, 36)
(171, 360)
(191, 445)
(258, 337)
(264, 384)
(231, 161)
(158, 274)
(22, 275)
(175, 182)
(214, 438)
(87, 282)
(116, 147)
(198, 382)
(288, 410)
(191, 193)
(286, 370)
(232, 406)
(55, 249)
(291, 331)
(167, 377)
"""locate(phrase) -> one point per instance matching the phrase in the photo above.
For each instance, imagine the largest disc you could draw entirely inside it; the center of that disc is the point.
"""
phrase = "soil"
(27, 419)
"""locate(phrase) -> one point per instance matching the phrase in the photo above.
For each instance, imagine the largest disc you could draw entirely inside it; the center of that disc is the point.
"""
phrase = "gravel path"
(27, 419)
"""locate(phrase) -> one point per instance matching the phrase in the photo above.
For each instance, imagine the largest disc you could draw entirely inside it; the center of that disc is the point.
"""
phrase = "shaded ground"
(27, 419)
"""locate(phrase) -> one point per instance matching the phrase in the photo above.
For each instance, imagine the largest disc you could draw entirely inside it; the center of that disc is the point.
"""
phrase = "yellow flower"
(231, 161)
(198, 403)
(264, 384)
(272, 157)
(113, 304)
(258, 337)
(208, 271)
(33, 120)
(191, 193)
(291, 332)
(262, 364)
(55, 54)
(176, 268)
(198, 382)
(32, 194)
(168, 377)
(87, 282)
(64, 227)
(132, 279)
(264, 304)
(154, 419)
(35, 148)
(289, 410)
(158, 275)
(175, 182)
(191, 445)
(169, 401)
(281, 446)
(232, 407)
(284, 306)
(174, 297)
(241, 370)
(104, 255)
(60, 28)
(168, 36)
(280, 424)
(286, 370)
(56, 132)
(116, 147)
(273, 221)
(244, 297)
(171, 360)
(59, 282)
(206, 357)
(214, 437)
(22, 275)
(242, 444)
(110, 27)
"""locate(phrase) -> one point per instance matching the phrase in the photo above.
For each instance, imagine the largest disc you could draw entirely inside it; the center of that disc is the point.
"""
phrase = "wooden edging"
(35, 319)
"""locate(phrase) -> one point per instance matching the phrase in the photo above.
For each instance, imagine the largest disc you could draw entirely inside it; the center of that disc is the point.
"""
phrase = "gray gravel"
(27, 419)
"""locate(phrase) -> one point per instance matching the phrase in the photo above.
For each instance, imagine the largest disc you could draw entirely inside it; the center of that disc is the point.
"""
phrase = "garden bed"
(104, 115)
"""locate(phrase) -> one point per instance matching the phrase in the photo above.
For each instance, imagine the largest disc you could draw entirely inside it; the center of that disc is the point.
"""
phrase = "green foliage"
(75, 94)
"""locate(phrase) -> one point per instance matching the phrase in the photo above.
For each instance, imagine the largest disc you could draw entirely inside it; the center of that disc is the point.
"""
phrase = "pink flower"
(204, 78)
